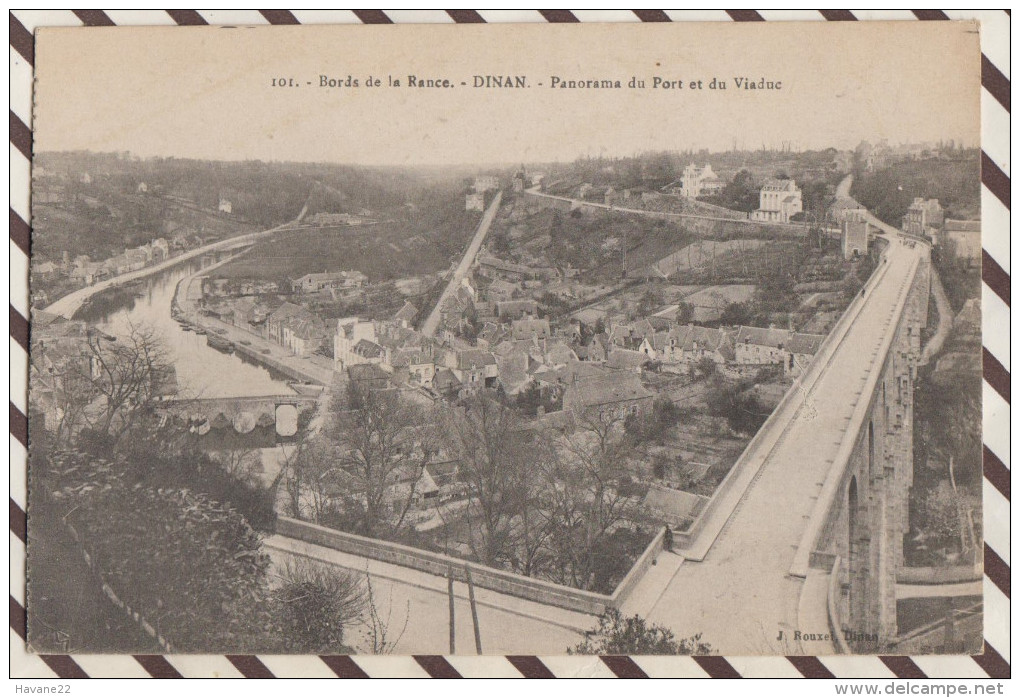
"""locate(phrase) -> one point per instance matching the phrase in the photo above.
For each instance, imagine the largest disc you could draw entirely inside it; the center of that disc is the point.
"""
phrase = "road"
(741, 593)
(508, 625)
(843, 188)
(69, 304)
(660, 214)
(431, 323)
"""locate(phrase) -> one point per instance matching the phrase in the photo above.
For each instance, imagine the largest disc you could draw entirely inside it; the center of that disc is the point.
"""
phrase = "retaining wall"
(485, 577)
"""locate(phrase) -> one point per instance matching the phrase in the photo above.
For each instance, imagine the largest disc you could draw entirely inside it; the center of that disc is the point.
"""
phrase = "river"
(201, 370)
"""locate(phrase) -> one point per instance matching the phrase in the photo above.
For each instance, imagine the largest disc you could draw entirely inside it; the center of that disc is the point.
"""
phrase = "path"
(431, 323)
(934, 345)
(68, 305)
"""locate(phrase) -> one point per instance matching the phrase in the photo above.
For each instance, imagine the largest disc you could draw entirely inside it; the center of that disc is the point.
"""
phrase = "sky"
(207, 92)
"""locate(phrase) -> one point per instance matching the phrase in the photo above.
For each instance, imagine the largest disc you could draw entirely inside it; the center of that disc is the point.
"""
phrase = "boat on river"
(220, 344)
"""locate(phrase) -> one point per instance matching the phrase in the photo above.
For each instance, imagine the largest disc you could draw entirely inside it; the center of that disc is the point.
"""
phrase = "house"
(368, 376)
(312, 283)
(406, 315)
(474, 368)
(626, 359)
(854, 238)
(515, 310)
(923, 218)
(296, 328)
(963, 240)
(700, 181)
(346, 350)
(757, 345)
(530, 328)
(142, 187)
(225, 206)
(498, 269)
(244, 313)
(520, 181)
(474, 202)
(597, 350)
(779, 200)
(446, 383)
(617, 395)
(304, 335)
(500, 290)
(802, 349)
(844, 209)
(160, 249)
(484, 183)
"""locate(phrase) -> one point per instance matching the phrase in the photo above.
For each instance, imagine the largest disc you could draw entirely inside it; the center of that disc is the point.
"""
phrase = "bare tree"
(585, 503)
(487, 438)
(383, 446)
(112, 384)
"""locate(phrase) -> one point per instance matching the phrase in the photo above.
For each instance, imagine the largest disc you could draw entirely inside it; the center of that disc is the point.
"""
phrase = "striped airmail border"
(995, 299)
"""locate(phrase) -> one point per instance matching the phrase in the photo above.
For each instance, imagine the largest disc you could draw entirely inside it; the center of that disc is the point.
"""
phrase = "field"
(596, 243)
(391, 249)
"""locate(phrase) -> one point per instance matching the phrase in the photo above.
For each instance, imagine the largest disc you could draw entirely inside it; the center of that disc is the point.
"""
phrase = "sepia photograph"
(529, 339)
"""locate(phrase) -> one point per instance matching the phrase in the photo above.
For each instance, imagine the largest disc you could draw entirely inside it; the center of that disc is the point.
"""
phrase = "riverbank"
(247, 344)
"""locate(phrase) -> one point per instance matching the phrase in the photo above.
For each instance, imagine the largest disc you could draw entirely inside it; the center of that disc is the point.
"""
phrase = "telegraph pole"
(453, 632)
(474, 610)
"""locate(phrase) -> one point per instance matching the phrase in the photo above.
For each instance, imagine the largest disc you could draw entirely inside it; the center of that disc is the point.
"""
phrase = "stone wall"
(870, 516)
(485, 577)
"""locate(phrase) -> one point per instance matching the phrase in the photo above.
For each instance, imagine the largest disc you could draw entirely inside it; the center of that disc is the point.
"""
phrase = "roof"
(523, 304)
(445, 380)
(626, 358)
(503, 266)
(288, 310)
(708, 338)
(762, 336)
(322, 276)
(407, 312)
(804, 343)
(368, 349)
(366, 372)
(608, 390)
(673, 505)
(779, 185)
(473, 358)
(958, 226)
(528, 326)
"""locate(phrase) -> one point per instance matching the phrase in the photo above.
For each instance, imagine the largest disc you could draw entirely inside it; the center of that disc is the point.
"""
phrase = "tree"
(651, 300)
(735, 314)
(190, 565)
(743, 411)
(706, 366)
(487, 439)
(616, 634)
(383, 447)
(684, 313)
(115, 384)
(942, 506)
(584, 501)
